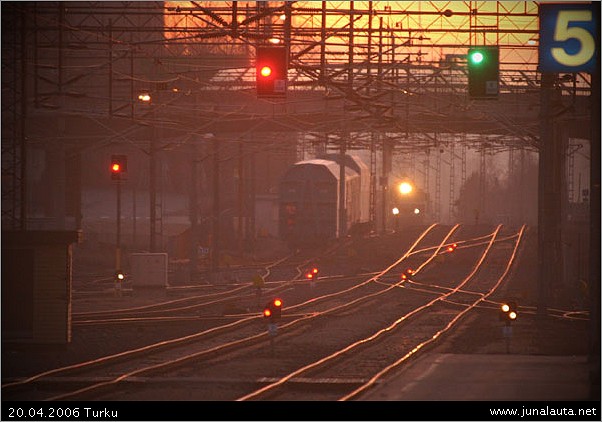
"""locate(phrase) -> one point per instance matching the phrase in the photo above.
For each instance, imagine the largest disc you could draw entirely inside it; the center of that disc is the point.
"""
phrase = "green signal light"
(477, 57)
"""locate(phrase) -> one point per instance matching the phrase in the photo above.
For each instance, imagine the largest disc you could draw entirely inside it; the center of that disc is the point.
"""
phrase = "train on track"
(309, 202)
(309, 199)
(408, 203)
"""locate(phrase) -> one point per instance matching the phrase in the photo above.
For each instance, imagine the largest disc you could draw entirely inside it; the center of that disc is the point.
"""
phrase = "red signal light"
(118, 166)
(265, 71)
(407, 273)
(273, 310)
(271, 68)
(312, 273)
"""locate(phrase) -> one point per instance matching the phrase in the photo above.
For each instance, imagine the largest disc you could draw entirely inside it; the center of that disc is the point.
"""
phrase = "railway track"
(369, 359)
(133, 355)
(209, 305)
(323, 341)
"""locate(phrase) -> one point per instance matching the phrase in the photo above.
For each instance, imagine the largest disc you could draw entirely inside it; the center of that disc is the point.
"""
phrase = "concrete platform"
(474, 377)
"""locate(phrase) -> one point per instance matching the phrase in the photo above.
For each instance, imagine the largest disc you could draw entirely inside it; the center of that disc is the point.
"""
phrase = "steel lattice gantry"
(356, 68)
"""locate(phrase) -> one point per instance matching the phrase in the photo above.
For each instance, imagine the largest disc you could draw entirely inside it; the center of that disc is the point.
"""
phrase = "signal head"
(118, 166)
(145, 97)
(509, 311)
(483, 71)
(271, 68)
(273, 310)
(312, 273)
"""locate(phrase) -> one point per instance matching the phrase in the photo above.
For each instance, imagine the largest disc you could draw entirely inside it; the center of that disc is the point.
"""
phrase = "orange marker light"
(277, 302)
(115, 167)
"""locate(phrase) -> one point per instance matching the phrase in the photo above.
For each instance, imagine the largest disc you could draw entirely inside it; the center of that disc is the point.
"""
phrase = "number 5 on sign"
(567, 37)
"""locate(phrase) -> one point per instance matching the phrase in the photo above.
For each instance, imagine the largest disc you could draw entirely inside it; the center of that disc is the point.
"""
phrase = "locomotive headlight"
(395, 211)
(416, 211)
(405, 188)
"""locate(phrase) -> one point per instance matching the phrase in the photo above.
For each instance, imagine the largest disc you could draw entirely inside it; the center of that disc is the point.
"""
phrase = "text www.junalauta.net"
(546, 411)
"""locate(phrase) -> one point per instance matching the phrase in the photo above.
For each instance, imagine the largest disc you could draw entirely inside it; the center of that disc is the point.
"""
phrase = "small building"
(36, 285)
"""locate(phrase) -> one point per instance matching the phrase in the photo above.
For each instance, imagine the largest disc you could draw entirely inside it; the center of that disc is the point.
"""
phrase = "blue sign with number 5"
(567, 41)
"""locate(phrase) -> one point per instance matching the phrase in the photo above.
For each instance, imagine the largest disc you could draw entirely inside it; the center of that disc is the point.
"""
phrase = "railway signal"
(119, 279)
(452, 247)
(273, 310)
(312, 274)
(118, 168)
(483, 71)
(509, 311)
(508, 314)
(271, 70)
(119, 276)
(119, 165)
(407, 274)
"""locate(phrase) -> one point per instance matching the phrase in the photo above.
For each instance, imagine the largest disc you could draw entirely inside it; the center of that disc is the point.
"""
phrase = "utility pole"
(118, 240)
(193, 210)
(547, 81)
(550, 193)
(216, 211)
(153, 192)
(241, 197)
(342, 193)
(594, 221)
